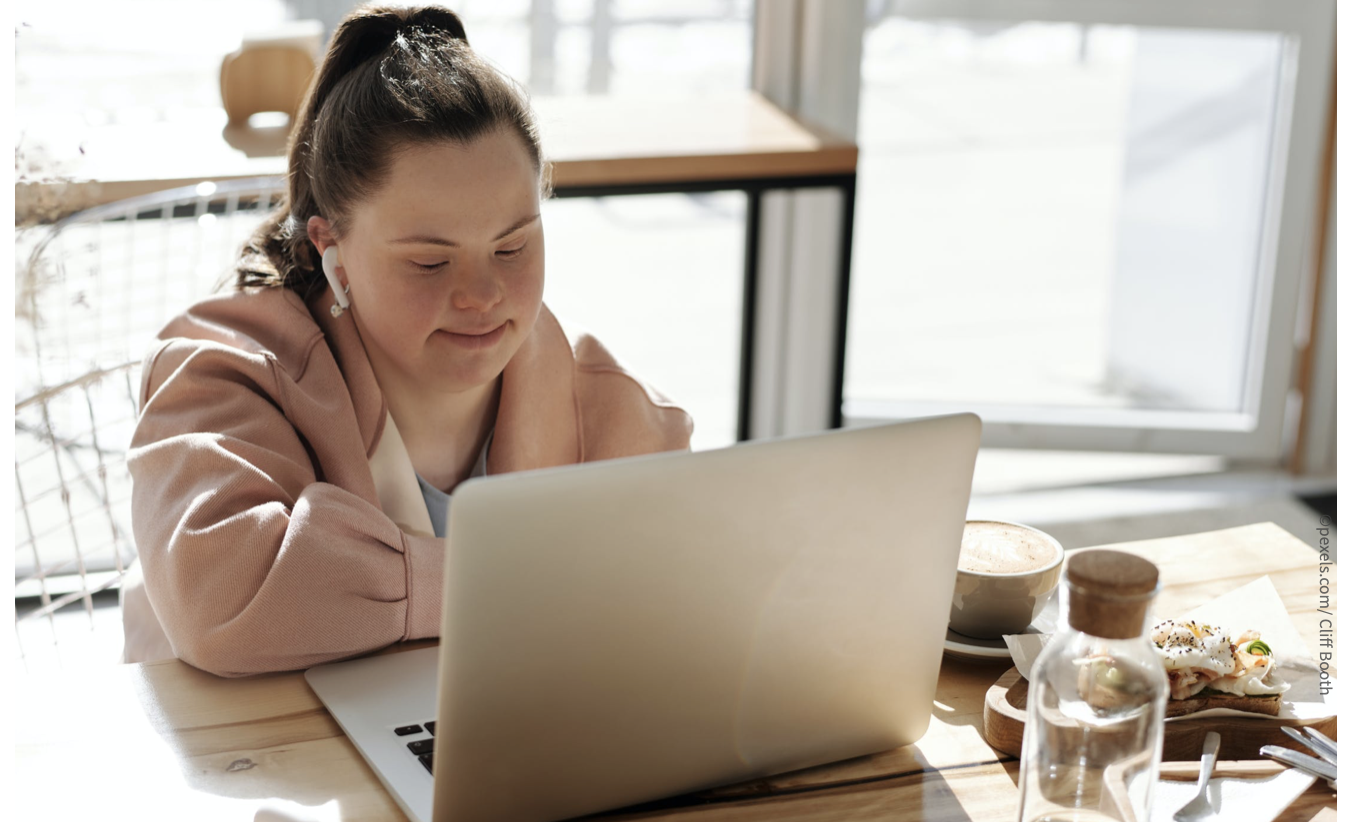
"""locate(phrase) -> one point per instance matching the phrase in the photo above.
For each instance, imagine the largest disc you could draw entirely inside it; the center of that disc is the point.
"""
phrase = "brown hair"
(392, 77)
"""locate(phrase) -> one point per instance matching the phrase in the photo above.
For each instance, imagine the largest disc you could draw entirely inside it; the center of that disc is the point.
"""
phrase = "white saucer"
(986, 650)
(975, 650)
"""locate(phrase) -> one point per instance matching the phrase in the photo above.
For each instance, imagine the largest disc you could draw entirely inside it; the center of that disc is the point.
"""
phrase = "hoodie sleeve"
(623, 415)
(252, 562)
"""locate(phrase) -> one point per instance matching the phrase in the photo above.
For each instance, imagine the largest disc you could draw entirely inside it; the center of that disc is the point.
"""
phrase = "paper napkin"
(1235, 800)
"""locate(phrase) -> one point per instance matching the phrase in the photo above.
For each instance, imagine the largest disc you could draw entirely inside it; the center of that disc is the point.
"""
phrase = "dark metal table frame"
(754, 188)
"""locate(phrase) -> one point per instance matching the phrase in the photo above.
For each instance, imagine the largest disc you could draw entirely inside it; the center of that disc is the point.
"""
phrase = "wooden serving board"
(1005, 713)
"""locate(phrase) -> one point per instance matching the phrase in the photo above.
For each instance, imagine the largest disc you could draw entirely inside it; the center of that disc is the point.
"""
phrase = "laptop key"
(422, 746)
(408, 729)
(431, 728)
(426, 759)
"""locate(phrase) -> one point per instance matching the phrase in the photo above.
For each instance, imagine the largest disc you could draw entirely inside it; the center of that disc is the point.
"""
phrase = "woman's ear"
(320, 233)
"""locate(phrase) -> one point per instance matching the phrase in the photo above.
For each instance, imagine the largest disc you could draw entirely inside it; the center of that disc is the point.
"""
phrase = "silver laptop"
(622, 631)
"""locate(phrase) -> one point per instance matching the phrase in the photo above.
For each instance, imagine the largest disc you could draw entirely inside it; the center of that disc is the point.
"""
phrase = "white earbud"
(330, 265)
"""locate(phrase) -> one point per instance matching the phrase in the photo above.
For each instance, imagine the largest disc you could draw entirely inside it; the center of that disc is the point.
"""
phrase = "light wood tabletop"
(164, 740)
(591, 140)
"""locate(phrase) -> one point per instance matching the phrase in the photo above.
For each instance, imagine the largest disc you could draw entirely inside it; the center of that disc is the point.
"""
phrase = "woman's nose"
(475, 289)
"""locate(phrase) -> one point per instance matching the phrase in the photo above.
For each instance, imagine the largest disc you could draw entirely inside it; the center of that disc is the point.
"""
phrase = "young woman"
(386, 340)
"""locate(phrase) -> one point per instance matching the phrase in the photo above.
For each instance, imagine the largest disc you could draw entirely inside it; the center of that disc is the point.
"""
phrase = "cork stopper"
(1110, 592)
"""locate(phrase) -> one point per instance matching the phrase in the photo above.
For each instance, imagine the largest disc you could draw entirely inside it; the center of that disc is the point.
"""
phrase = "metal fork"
(1200, 806)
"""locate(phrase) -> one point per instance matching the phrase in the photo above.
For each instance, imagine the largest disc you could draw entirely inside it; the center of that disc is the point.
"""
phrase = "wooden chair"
(270, 72)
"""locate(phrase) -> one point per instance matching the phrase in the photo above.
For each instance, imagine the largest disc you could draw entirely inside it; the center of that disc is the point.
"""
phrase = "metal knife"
(1301, 762)
(1331, 745)
(1320, 744)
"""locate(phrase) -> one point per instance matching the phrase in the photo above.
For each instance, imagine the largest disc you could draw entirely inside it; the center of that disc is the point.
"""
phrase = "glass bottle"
(1096, 701)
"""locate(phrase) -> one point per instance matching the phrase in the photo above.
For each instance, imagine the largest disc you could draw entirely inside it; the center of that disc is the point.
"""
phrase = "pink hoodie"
(276, 512)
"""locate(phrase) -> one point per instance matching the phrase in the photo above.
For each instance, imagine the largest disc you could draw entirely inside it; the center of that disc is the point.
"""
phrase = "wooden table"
(172, 742)
(592, 141)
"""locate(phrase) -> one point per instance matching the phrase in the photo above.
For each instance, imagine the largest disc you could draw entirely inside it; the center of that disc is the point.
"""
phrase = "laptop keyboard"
(421, 748)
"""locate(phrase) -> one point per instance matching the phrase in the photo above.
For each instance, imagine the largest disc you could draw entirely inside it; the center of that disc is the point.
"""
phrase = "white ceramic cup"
(1006, 597)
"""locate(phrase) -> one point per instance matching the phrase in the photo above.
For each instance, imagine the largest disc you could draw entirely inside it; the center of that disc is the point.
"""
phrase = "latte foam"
(1002, 548)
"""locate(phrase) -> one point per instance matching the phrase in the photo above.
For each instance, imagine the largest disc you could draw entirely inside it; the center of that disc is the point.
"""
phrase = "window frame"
(807, 57)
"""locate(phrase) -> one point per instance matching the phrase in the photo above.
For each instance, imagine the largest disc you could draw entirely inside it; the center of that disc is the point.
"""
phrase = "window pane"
(93, 63)
(1060, 215)
(658, 279)
(631, 47)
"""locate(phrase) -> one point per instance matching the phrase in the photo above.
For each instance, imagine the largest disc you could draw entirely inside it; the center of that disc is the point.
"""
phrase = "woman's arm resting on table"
(251, 563)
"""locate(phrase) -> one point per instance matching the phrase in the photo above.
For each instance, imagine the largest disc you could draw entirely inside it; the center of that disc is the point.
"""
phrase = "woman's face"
(446, 263)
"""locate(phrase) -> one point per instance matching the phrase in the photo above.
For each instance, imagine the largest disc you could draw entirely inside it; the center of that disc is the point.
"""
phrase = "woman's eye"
(428, 266)
(512, 252)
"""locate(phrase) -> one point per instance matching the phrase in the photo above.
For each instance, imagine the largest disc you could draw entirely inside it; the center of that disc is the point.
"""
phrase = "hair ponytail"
(392, 76)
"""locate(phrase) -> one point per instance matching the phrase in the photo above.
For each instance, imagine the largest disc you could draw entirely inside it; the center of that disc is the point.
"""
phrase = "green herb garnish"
(1214, 692)
(1258, 646)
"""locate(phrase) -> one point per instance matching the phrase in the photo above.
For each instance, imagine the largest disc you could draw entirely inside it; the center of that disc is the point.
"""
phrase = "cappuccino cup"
(1006, 574)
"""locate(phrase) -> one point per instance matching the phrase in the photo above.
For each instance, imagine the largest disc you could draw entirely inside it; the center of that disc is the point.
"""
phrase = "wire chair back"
(94, 288)
(72, 491)
(92, 292)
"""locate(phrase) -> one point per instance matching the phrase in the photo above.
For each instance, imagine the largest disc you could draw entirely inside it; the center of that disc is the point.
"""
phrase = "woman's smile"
(473, 342)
